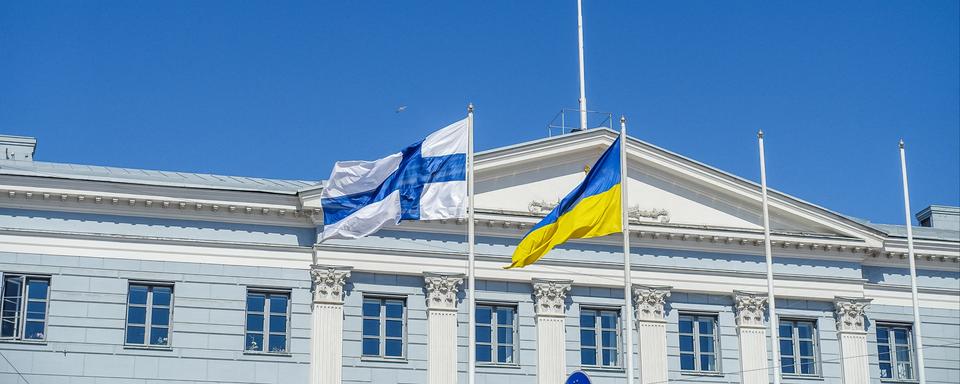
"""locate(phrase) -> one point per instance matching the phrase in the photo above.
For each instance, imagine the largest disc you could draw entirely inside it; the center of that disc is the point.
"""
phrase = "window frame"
(21, 314)
(598, 337)
(696, 342)
(148, 319)
(891, 343)
(382, 331)
(267, 292)
(494, 328)
(795, 340)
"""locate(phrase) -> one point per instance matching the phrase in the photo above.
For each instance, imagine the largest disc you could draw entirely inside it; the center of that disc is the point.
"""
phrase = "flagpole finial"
(470, 108)
(623, 119)
(760, 134)
(901, 143)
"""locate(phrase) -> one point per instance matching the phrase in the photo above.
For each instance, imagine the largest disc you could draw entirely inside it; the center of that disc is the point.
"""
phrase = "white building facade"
(130, 276)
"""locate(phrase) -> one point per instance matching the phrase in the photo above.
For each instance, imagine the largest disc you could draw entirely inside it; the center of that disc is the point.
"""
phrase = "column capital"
(648, 302)
(442, 290)
(750, 308)
(550, 296)
(328, 282)
(849, 311)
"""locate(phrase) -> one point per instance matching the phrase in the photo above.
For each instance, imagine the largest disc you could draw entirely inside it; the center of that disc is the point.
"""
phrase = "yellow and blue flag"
(593, 209)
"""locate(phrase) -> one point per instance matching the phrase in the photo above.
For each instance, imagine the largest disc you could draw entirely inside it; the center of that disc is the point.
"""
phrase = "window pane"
(588, 356)
(787, 365)
(900, 336)
(255, 302)
(484, 334)
(786, 329)
(504, 354)
(278, 324)
(708, 363)
(903, 354)
(34, 330)
(805, 330)
(706, 344)
(786, 347)
(505, 316)
(883, 352)
(706, 326)
(587, 319)
(588, 338)
(395, 309)
(158, 336)
(135, 335)
(686, 343)
(885, 371)
(806, 348)
(609, 338)
(686, 324)
(254, 341)
(8, 328)
(484, 315)
(609, 357)
(136, 315)
(160, 316)
(807, 367)
(161, 296)
(255, 323)
(687, 362)
(371, 346)
(138, 295)
(394, 348)
(371, 308)
(278, 343)
(371, 327)
(483, 353)
(37, 310)
(278, 303)
(905, 371)
(394, 328)
(608, 320)
(882, 334)
(505, 335)
(37, 289)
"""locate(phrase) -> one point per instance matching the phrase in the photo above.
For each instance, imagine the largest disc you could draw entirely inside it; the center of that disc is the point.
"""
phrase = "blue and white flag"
(425, 181)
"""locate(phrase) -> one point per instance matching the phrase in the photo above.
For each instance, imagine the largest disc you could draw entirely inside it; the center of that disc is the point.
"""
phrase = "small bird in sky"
(401, 109)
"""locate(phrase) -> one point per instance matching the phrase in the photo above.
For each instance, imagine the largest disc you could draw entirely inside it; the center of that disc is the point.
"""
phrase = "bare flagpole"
(583, 87)
(625, 222)
(471, 297)
(771, 300)
(913, 268)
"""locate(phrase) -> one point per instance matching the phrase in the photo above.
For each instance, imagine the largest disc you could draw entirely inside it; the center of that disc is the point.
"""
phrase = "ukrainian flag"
(593, 209)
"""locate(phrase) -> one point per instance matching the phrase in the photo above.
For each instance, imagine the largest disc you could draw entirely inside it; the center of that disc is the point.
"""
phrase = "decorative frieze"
(328, 282)
(442, 290)
(550, 296)
(849, 311)
(648, 302)
(750, 308)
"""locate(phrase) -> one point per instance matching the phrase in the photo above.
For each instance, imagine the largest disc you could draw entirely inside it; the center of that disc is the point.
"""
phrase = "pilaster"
(750, 307)
(326, 351)
(652, 332)
(442, 326)
(550, 299)
(852, 334)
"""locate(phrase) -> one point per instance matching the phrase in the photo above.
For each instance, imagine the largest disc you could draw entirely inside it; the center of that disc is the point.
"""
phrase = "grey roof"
(895, 230)
(149, 177)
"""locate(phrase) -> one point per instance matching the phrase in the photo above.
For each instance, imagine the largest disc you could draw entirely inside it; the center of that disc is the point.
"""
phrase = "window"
(383, 321)
(698, 343)
(268, 320)
(895, 351)
(495, 334)
(23, 310)
(798, 347)
(599, 337)
(148, 315)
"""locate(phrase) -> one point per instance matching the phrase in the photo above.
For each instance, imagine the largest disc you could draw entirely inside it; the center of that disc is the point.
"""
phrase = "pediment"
(664, 188)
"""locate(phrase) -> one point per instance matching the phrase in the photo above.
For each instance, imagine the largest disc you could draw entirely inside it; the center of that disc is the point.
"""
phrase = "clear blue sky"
(284, 89)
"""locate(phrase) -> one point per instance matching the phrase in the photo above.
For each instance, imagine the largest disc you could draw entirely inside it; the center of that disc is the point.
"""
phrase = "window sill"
(149, 348)
(30, 342)
(801, 377)
(375, 359)
(595, 368)
(699, 373)
(500, 365)
(276, 354)
(899, 381)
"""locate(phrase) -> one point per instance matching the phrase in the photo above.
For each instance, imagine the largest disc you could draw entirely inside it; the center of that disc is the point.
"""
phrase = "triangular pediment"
(664, 188)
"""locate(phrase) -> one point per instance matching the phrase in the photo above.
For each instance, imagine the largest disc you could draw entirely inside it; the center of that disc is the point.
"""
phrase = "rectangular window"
(23, 310)
(895, 351)
(698, 343)
(383, 323)
(148, 314)
(496, 338)
(798, 347)
(268, 321)
(599, 337)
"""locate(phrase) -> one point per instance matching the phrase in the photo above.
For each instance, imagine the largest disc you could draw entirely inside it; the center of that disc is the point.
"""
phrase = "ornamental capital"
(648, 302)
(849, 311)
(328, 282)
(442, 290)
(550, 296)
(750, 308)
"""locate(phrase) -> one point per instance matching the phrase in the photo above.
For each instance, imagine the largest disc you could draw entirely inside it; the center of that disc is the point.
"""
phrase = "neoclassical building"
(114, 275)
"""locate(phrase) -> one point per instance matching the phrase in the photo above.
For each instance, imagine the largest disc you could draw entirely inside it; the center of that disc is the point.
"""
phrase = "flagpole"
(625, 222)
(913, 269)
(471, 296)
(771, 300)
(583, 87)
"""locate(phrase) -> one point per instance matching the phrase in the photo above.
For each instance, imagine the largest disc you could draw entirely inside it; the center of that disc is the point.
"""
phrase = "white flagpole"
(625, 222)
(471, 296)
(913, 269)
(583, 87)
(771, 300)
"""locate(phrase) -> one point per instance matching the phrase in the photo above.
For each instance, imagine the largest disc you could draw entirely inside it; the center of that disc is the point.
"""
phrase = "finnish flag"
(425, 181)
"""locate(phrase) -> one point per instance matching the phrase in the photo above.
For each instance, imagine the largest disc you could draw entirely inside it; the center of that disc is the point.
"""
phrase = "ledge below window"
(698, 373)
(148, 348)
(603, 369)
(376, 359)
(277, 354)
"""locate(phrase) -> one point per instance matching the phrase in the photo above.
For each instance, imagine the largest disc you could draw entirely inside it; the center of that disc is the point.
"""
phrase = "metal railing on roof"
(568, 120)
